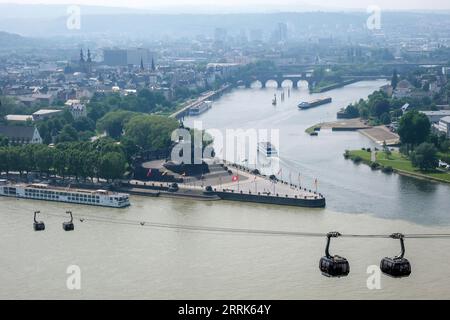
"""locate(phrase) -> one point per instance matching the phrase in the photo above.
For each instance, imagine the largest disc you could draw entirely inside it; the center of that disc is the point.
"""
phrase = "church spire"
(81, 55)
(89, 59)
(142, 64)
(153, 64)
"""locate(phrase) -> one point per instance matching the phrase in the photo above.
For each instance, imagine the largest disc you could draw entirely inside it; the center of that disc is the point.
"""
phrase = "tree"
(84, 124)
(394, 80)
(68, 133)
(43, 158)
(4, 141)
(14, 160)
(59, 162)
(151, 133)
(414, 128)
(386, 149)
(379, 106)
(425, 157)
(112, 166)
(91, 163)
(114, 121)
(74, 162)
(385, 118)
(4, 164)
(352, 111)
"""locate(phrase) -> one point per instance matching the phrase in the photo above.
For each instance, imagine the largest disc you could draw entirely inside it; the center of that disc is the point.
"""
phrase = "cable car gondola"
(333, 266)
(397, 266)
(68, 226)
(38, 225)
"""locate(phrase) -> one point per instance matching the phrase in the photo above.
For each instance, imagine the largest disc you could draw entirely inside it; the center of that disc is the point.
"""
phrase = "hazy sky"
(323, 4)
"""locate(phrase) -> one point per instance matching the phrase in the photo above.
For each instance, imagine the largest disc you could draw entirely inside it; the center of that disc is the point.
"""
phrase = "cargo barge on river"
(315, 103)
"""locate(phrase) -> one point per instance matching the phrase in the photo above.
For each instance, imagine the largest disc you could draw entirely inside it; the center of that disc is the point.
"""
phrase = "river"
(142, 262)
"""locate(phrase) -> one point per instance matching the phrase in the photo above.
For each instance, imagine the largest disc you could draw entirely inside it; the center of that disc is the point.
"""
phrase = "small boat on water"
(314, 103)
(267, 149)
(41, 191)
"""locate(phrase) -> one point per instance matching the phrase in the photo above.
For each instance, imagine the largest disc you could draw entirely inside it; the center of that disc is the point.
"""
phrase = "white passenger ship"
(40, 191)
(200, 108)
(267, 149)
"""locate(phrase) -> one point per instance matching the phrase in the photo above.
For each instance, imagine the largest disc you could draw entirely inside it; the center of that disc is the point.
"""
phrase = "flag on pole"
(280, 173)
(149, 172)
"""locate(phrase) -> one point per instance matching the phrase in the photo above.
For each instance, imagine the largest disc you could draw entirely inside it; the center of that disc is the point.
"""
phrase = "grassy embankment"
(398, 163)
(312, 129)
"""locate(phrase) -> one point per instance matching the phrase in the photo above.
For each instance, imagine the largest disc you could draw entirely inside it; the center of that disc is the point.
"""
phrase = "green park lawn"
(399, 163)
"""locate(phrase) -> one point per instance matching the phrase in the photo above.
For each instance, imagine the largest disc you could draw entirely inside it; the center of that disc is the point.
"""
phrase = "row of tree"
(101, 159)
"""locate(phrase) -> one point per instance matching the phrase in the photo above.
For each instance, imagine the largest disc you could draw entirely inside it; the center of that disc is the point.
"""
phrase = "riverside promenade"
(228, 181)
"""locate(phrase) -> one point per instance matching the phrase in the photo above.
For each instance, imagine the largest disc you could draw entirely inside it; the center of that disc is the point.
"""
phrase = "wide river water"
(131, 261)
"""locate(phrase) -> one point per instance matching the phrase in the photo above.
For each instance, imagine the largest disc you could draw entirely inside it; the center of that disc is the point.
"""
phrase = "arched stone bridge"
(279, 79)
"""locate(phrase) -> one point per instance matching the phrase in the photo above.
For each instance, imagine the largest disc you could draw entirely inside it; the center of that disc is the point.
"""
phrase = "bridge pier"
(279, 84)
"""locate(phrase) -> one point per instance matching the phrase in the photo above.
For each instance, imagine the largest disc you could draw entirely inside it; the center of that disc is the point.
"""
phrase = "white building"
(45, 114)
(444, 126)
(436, 116)
(18, 118)
(78, 110)
(403, 89)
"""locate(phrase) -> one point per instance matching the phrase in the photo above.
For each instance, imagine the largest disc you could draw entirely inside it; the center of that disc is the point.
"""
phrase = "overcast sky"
(282, 4)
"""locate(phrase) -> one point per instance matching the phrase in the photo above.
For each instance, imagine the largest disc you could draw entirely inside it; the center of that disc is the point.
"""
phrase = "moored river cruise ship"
(40, 191)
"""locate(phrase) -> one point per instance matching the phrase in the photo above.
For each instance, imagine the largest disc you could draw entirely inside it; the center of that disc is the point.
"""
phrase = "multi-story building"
(444, 126)
(123, 57)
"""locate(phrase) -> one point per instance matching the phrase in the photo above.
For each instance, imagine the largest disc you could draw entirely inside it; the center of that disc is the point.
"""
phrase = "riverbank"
(378, 134)
(395, 162)
(340, 125)
(328, 87)
(183, 110)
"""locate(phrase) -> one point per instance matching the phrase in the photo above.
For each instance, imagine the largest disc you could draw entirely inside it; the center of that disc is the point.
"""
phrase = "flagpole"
(238, 176)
